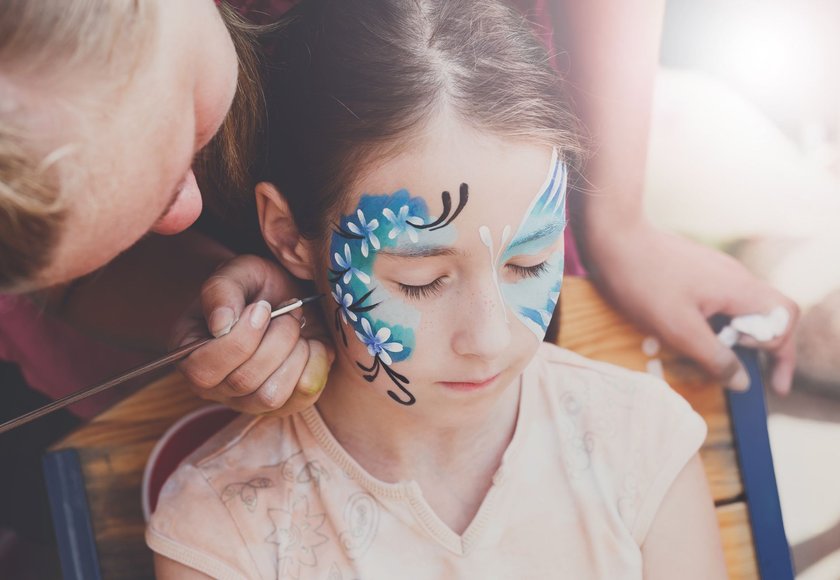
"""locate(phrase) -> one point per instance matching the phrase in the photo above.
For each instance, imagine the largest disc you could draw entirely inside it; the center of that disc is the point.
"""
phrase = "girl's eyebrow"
(417, 251)
(547, 230)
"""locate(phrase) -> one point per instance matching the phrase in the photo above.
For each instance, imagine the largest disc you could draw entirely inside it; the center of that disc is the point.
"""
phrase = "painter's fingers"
(694, 337)
(208, 366)
(236, 283)
(784, 365)
(294, 386)
(312, 379)
(769, 318)
(780, 343)
(275, 346)
(278, 386)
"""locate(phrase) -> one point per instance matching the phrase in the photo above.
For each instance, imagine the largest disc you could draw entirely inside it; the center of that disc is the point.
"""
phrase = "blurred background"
(745, 156)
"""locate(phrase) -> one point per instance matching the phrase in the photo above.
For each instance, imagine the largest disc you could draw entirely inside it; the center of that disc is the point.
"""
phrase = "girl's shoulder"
(558, 357)
(558, 370)
(631, 398)
(248, 453)
(625, 433)
(622, 436)
(221, 511)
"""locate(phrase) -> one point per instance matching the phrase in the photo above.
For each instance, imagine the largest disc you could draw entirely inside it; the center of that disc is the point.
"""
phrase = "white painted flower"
(365, 229)
(344, 300)
(345, 264)
(377, 343)
(400, 222)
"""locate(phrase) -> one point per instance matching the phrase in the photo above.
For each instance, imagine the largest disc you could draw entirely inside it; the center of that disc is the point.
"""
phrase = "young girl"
(416, 173)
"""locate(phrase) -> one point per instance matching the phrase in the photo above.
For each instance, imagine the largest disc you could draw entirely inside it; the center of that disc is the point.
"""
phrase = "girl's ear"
(280, 232)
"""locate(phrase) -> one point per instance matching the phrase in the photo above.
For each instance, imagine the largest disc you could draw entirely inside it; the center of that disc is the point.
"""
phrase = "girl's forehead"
(501, 178)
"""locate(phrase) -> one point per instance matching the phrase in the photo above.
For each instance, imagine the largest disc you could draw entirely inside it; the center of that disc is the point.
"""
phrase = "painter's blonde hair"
(50, 45)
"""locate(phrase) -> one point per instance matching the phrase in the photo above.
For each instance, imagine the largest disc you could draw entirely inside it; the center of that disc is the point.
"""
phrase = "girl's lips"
(470, 385)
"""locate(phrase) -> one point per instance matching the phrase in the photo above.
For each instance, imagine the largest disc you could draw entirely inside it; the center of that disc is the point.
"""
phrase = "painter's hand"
(671, 286)
(255, 365)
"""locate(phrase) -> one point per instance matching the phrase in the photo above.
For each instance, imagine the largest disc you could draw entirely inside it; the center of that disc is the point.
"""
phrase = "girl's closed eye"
(421, 291)
(534, 271)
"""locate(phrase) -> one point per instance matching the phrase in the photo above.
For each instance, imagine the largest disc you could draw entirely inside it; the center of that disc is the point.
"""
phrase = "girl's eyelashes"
(529, 271)
(434, 287)
(424, 291)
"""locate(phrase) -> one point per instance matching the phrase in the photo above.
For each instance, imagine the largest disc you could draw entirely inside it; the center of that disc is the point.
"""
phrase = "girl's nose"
(482, 326)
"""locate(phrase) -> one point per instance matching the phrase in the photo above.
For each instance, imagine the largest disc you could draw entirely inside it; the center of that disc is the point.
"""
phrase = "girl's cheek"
(533, 300)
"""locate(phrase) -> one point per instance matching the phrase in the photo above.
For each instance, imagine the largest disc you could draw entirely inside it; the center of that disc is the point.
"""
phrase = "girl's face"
(131, 148)
(445, 266)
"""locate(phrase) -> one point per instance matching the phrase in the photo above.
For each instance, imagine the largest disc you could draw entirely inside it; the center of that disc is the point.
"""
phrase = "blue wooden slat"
(71, 517)
(748, 411)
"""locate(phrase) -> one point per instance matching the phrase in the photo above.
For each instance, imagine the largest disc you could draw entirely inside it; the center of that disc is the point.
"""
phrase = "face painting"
(386, 327)
(534, 294)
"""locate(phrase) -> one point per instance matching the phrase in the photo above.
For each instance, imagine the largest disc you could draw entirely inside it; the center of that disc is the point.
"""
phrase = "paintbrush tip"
(311, 298)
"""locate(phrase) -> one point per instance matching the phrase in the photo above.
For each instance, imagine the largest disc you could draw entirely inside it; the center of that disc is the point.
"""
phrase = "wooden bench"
(94, 474)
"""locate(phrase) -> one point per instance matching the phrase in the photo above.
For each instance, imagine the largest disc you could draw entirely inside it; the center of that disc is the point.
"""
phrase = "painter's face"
(446, 265)
(132, 162)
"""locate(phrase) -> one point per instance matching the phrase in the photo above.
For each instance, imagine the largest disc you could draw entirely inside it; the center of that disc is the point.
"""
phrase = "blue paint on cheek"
(533, 299)
(378, 222)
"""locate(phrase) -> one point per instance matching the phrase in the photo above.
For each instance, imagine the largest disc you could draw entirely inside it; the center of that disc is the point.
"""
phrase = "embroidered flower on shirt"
(295, 470)
(296, 536)
(361, 513)
(246, 490)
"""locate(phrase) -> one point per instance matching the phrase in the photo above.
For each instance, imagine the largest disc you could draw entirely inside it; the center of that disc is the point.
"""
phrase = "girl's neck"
(396, 443)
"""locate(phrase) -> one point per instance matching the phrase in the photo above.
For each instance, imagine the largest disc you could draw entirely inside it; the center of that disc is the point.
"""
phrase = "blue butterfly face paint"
(385, 327)
(534, 294)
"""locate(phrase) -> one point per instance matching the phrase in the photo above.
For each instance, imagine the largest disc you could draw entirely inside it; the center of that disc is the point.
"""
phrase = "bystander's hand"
(671, 286)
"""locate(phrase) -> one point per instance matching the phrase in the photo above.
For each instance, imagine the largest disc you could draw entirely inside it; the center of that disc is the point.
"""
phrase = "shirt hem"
(189, 557)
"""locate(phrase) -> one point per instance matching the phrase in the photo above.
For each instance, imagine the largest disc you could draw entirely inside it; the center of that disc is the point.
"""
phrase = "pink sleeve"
(192, 526)
(664, 434)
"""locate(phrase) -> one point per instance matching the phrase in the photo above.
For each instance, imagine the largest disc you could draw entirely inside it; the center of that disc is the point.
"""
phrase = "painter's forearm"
(613, 54)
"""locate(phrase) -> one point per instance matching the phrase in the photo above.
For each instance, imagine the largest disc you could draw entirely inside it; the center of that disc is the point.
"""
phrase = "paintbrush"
(149, 367)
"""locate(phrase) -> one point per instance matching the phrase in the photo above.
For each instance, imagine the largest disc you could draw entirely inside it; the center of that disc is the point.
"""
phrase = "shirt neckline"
(409, 491)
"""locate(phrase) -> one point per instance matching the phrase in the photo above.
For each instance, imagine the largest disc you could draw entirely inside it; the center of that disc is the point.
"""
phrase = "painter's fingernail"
(314, 377)
(740, 381)
(260, 314)
(314, 381)
(221, 321)
(316, 386)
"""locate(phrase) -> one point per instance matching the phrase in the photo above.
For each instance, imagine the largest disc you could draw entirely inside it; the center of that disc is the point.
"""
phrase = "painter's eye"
(529, 271)
(424, 291)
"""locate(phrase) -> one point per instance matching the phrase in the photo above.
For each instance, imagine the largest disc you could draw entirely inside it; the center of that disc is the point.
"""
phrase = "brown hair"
(224, 167)
(102, 40)
(354, 80)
